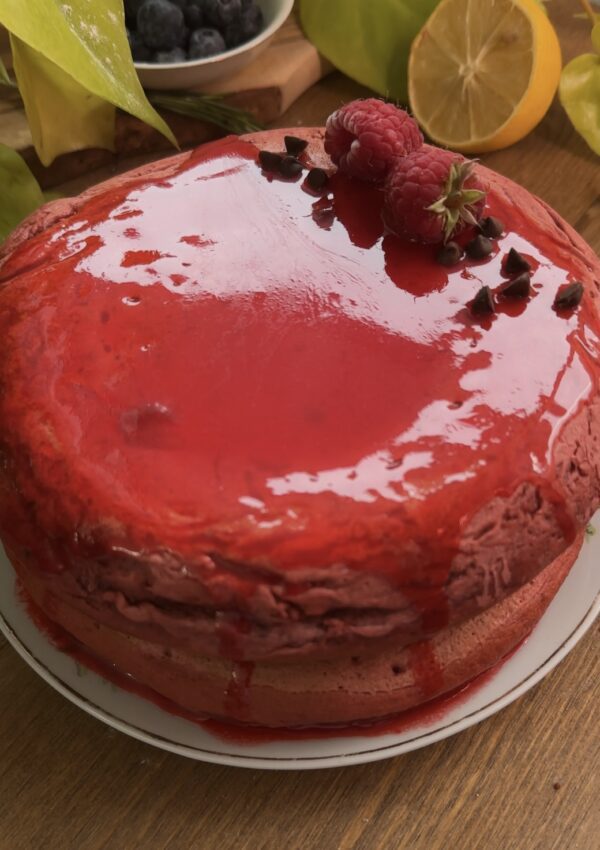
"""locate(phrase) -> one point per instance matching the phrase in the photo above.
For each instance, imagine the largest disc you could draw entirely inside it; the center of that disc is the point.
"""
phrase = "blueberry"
(242, 29)
(221, 13)
(167, 57)
(139, 51)
(205, 42)
(252, 21)
(232, 34)
(131, 10)
(160, 24)
(194, 14)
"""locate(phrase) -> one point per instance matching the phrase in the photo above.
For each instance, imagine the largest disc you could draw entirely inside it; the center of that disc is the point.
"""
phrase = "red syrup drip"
(311, 374)
(432, 711)
(424, 666)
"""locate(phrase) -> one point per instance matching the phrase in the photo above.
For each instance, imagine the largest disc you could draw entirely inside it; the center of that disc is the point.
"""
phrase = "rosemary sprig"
(5, 80)
(204, 107)
(587, 8)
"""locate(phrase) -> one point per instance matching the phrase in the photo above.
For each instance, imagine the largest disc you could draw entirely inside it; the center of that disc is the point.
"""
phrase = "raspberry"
(432, 194)
(364, 138)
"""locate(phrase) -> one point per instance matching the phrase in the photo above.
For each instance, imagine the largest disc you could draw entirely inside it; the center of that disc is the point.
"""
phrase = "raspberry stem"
(455, 204)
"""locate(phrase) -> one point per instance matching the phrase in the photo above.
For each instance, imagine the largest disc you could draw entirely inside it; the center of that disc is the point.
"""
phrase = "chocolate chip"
(557, 786)
(294, 145)
(449, 254)
(270, 161)
(518, 287)
(316, 179)
(290, 166)
(491, 227)
(569, 296)
(515, 263)
(483, 303)
(479, 247)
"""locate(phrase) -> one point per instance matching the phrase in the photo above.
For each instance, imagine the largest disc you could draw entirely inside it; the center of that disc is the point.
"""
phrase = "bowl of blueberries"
(178, 44)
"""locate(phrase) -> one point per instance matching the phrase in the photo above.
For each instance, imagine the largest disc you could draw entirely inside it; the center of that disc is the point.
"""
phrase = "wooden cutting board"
(266, 88)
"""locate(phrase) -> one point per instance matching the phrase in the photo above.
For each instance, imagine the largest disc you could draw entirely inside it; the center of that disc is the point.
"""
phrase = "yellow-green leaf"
(86, 39)
(62, 115)
(368, 41)
(19, 190)
(579, 93)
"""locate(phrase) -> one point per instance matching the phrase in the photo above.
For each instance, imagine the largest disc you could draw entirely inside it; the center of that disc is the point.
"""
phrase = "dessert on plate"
(299, 430)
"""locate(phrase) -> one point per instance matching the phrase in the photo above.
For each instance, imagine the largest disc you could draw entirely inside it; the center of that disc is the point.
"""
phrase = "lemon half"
(482, 73)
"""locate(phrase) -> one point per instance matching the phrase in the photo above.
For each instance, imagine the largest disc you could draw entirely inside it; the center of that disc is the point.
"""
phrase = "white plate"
(200, 72)
(567, 619)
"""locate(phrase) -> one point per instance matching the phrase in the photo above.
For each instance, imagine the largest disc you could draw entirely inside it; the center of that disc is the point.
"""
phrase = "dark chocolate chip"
(483, 303)
(316, 179)
(294, 145)
(290, 166)
(270, 161)
(449, 254)
(491, 227)
(515, 263)
(479, 247)
(518, 287)
(569, 296)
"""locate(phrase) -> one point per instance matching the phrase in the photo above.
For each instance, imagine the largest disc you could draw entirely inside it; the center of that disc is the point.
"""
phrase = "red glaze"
(230, 365)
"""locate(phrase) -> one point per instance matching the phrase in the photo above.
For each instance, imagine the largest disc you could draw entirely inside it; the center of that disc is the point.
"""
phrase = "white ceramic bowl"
(199, 72)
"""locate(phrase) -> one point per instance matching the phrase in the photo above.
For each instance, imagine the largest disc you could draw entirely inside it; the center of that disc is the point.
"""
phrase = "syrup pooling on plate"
(223, 351)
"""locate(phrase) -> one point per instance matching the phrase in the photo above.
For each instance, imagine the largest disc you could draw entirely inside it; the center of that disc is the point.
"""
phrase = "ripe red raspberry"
(365, 136)
(432, 194)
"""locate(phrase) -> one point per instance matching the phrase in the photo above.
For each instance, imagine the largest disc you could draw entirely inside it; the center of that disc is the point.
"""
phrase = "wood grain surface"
(526, 779)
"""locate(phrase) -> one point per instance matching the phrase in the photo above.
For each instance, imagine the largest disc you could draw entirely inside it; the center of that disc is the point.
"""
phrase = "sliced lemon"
(482, 73)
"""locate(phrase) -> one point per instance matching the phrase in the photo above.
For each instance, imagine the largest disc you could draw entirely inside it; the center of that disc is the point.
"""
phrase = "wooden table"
(526, 779)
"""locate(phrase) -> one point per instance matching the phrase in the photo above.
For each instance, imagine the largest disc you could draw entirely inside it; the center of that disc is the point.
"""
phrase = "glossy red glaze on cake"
(240, 419)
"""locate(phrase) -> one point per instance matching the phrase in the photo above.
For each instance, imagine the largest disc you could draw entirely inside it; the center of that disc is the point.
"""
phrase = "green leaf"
(5, 80)
(86, 120)
(368, 41)
(19, 191)
(87, 41)
(579, 93)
